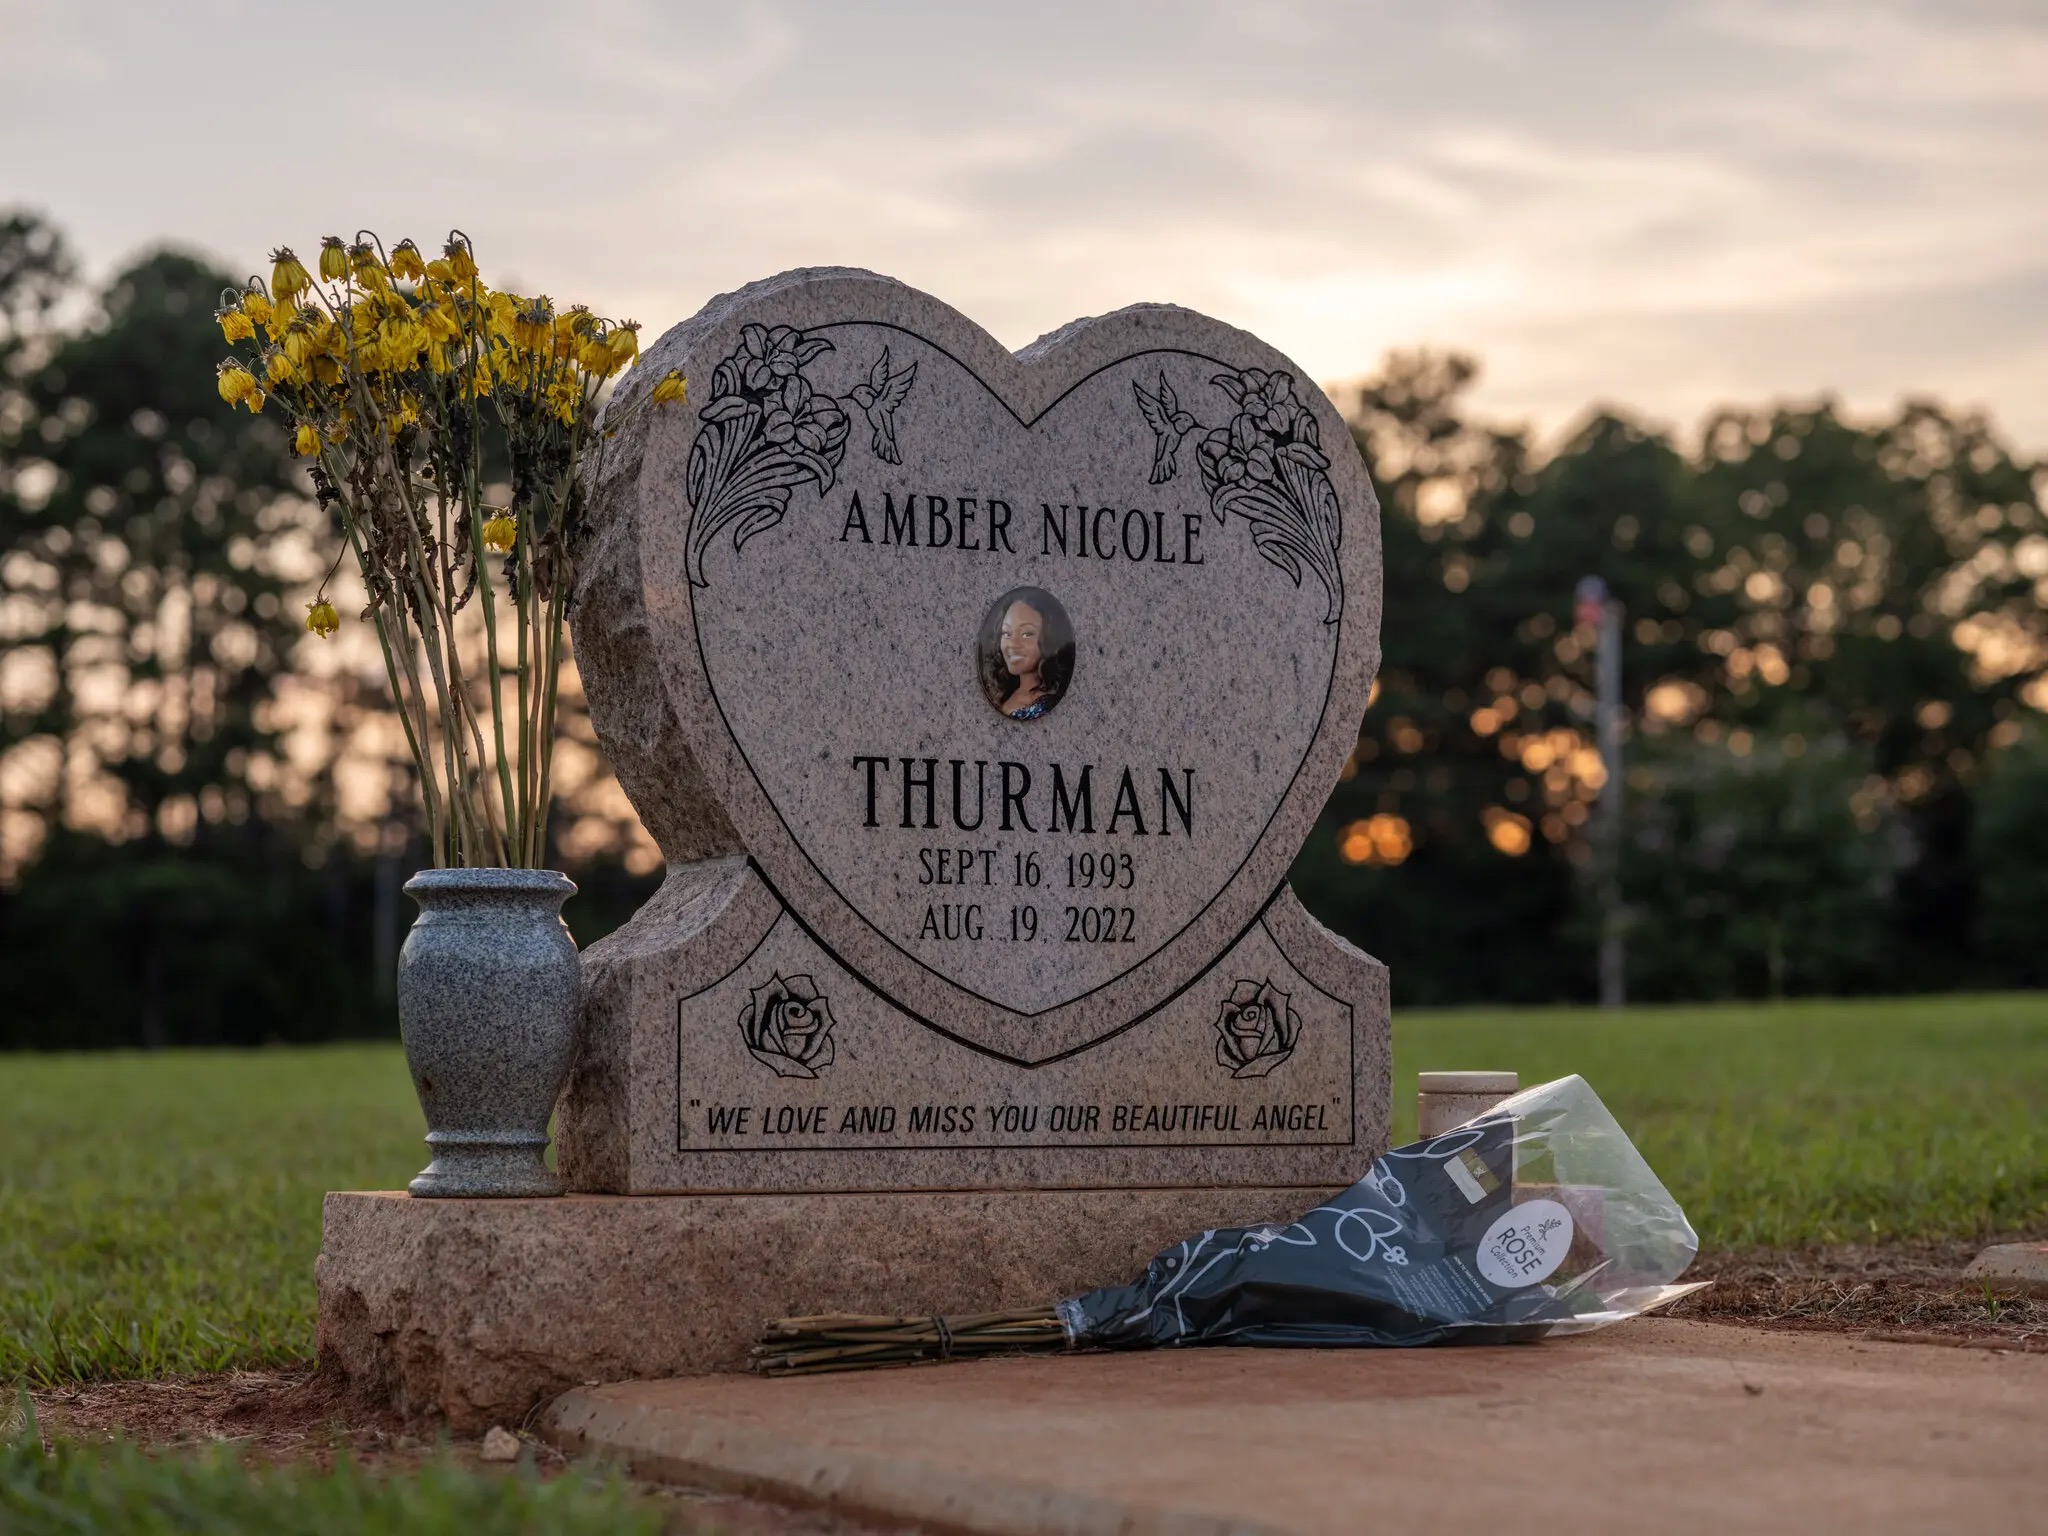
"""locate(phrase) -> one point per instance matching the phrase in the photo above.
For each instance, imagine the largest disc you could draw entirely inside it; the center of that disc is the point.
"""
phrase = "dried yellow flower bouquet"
(405, 381)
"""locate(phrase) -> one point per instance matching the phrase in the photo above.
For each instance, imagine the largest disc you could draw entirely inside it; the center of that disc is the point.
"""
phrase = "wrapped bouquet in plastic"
(1538, 1217)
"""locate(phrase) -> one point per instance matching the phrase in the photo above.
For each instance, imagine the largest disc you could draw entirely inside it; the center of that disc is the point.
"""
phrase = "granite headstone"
(979, 703)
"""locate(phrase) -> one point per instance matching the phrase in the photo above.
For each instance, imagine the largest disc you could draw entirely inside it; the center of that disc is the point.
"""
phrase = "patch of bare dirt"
(276, 1415)
(1909, 1293)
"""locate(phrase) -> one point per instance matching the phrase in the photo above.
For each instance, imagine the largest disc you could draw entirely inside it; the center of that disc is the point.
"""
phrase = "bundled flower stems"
(1537, 1218)
(409, 385)
(800, 1346)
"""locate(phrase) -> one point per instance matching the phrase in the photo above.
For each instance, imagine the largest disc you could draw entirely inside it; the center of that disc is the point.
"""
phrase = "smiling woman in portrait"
(1026, 652)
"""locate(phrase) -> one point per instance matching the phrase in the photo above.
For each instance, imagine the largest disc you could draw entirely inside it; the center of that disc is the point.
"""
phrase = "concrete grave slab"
(1657, 1425)
(2012, 1268)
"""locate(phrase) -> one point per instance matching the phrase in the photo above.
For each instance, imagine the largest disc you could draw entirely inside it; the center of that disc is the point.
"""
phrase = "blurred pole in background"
(1602, 613)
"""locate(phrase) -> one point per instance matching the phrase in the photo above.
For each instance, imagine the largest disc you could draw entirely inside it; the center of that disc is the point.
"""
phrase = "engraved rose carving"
(788, 1026)
(1256, 1028)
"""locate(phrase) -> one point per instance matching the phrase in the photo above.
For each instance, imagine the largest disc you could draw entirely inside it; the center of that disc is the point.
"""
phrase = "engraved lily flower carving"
(768, 430)
(797, 417)
(1266, 465)
(765, 361)
(785, 408)
(1269, 402)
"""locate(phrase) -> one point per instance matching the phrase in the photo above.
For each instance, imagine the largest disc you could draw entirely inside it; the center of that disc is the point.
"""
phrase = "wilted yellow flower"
(402, 338)
(440, 322)
(278, 369)
(333, 259)
(235, 383)
(569, 326)
(321, 618)
(369, 268)
(500, 533)
(673, 388)
(235, 325)
(256, 307)
(461, 264)
(306, 441)
(502, 309)
(327, 370)
(625, 343)
(596, 356)
(441, 271)
(288, 276)
(406, 262)
(530, 326)
(255, 402)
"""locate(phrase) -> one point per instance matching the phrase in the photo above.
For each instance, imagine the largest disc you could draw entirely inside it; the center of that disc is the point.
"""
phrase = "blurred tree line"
(183, 858)
(1834, 667)
(1835, 659)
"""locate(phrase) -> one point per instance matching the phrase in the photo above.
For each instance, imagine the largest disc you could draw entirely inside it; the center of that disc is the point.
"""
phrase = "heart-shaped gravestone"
(1020, 677)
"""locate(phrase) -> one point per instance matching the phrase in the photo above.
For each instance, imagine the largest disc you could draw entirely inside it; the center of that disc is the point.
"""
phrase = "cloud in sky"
(1661, 205)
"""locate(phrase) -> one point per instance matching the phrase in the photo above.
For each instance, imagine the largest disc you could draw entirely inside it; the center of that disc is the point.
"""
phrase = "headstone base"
(663, 1058)
(472, 1312)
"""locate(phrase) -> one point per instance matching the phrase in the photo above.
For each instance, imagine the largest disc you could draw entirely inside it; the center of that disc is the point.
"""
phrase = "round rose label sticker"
(1525, 1244)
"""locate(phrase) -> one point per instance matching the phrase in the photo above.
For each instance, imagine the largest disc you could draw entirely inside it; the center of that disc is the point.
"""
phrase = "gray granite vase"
(488, 986)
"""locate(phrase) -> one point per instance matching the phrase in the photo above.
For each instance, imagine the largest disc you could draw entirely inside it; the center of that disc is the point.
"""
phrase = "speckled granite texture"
(1163, 1102)
(488, 990)
(980, 702)
(476, 1311)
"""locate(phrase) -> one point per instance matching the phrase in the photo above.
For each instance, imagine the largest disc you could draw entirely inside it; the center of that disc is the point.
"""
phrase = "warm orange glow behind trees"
(1873, 592)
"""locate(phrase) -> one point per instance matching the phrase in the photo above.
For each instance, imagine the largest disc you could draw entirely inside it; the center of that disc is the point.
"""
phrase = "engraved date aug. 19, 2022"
(971, 922)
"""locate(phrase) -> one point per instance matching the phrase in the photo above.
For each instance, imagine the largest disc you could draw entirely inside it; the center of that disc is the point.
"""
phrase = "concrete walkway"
(1654, 1426)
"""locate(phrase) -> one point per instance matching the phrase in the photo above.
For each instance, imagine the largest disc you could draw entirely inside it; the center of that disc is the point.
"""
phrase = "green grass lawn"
(1778, 1126)
(72, 1488)
(160, 1213)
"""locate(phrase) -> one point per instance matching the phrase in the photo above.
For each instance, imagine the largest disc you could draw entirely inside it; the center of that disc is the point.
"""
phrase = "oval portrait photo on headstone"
(1025, 653)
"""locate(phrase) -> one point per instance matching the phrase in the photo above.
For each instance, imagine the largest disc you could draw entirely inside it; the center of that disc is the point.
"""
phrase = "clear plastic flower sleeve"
(1537, 1218)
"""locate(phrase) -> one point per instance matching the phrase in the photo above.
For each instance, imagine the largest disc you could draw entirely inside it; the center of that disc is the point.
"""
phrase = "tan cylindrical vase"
(1446, 1099)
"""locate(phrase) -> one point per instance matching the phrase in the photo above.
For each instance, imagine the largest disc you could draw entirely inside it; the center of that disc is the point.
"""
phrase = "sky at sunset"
(1661, 205)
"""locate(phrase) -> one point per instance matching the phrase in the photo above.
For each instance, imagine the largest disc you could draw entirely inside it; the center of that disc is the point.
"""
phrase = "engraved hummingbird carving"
(1170, 426)
(879, 396)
